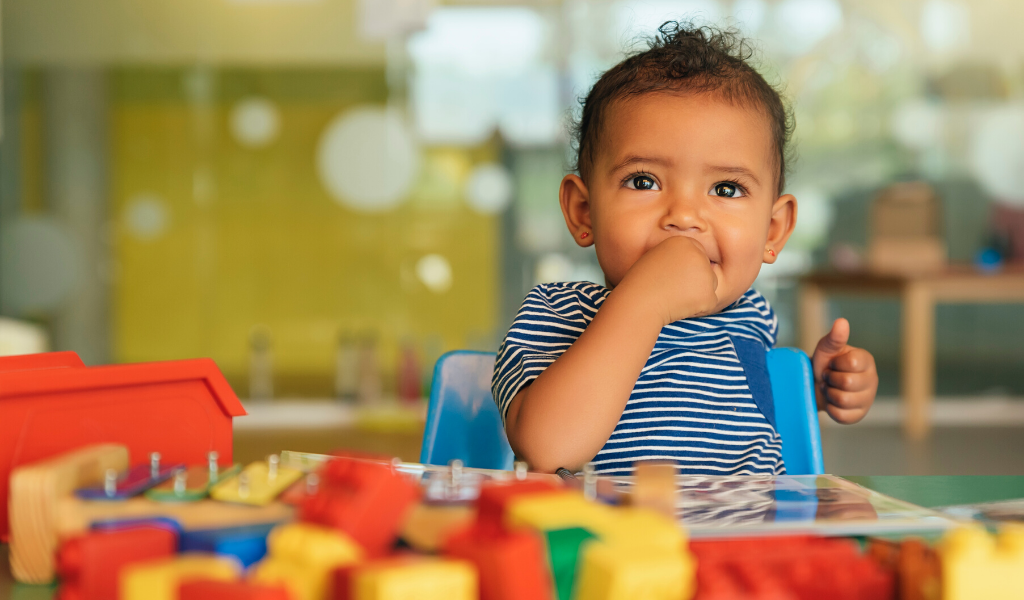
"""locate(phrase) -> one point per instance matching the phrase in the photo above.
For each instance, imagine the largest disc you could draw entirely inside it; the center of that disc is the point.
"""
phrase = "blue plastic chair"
(463, 421)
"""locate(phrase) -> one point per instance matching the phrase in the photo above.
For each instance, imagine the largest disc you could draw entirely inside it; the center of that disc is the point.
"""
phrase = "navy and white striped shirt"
(692, 403)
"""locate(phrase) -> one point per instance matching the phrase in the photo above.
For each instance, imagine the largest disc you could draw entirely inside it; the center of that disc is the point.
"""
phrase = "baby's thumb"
(831, 344)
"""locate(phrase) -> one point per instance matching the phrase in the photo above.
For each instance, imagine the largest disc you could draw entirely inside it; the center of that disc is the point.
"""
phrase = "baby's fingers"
(849, 400)
(857, 360)
(850, 382)
(846, 416)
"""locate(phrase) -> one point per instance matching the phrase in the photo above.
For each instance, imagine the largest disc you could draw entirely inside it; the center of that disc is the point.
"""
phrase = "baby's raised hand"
(845, 379)
(674, 279)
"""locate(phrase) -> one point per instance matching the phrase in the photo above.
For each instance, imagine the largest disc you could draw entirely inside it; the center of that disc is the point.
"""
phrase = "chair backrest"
(463, 421)
(796, 411)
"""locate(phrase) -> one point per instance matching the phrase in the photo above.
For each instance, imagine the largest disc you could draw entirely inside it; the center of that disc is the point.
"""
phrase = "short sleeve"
(551, 318)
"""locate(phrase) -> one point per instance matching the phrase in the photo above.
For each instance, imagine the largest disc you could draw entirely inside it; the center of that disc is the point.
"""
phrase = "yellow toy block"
(258, 484)
(624, 572)
(557, 510)
(978, 565)
(635, 526)
(301, 556)
(423, 580)
(159, 579)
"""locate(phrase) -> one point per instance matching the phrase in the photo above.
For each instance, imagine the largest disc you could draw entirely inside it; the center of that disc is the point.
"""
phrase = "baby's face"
(690, 165)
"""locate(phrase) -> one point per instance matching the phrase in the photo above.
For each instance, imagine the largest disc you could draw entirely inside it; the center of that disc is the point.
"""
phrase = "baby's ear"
(574, 198)
(780, 226)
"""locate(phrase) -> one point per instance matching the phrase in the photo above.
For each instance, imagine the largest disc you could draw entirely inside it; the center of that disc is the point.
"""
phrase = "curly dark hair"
(689, 59)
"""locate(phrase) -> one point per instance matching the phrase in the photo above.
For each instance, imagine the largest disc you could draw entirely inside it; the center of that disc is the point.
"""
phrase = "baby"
(681, 171)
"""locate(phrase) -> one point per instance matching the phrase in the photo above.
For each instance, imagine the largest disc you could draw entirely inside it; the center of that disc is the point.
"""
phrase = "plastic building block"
(192, 484)
(564, 547)
(612, 572)
(203, 589)
(495, 497)
(635, 526)
(804, 567)
(301, 556)
(511, 565)
(248, 543)
(366, 500)
(36, 490)
(420, 579)
(89, 565)
(182, 409)
(976, 564)
(258, 484)
(556, 510)
(159, 580)
(131, 483)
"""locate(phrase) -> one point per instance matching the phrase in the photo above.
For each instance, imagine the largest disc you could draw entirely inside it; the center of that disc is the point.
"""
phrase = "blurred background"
(325, 195)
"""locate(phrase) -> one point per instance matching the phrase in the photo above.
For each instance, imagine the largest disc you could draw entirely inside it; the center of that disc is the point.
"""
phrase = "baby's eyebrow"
(735, 171)
(635, 159)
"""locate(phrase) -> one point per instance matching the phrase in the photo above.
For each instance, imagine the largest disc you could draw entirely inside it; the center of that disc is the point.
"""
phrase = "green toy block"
(564, 550)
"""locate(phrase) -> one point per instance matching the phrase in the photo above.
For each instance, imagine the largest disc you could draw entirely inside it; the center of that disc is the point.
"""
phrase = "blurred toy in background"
(906, 234)
(261, 364)
(346, 368)
(371, 384)
(408, 374)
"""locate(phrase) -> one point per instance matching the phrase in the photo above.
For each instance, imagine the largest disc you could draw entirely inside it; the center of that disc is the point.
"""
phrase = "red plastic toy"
(511, 565)
(51, 403)
(365, 500)
(496, 495)
(89, 565)
(230, 590)
(797, 567)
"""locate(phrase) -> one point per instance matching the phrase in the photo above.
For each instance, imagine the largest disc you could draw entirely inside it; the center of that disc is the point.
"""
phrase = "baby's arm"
(567, 414)
(845, 378)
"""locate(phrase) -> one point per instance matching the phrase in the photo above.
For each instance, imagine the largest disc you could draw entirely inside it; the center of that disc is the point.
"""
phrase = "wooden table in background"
(918, 296)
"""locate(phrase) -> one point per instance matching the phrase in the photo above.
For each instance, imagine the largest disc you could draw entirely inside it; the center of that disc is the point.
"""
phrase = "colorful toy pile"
(360, 529)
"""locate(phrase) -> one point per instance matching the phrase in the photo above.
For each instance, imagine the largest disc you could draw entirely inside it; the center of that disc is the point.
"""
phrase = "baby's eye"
(642, 182)
(726, 189)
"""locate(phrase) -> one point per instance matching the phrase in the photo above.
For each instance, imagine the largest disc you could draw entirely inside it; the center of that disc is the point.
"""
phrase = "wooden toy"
(131, 483)
(160, 579)
(89, 565)
(258, 484)
(44, 508)
(51, 403)
(510, 565)
(366, 500)
(247, 543)
(193, 483)
(420, 578)
(654, 487)
(613, 572)
(977, 564)
(208, 589)
(301, 557)
(35, 494)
